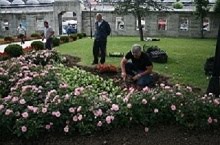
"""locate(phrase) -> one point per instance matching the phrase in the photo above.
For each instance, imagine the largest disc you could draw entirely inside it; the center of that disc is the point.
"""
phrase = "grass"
(185, 63)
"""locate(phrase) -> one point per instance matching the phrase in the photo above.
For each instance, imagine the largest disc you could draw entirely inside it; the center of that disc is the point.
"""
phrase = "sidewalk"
(26, 44)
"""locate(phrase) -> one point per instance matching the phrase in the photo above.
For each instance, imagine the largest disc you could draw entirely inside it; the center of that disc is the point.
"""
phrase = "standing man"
(102, 30)
(21, 33)
(140, 67)
(48, 33)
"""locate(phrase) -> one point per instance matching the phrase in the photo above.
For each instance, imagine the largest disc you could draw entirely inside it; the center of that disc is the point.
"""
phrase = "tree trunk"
(140, 28)
(201, 26)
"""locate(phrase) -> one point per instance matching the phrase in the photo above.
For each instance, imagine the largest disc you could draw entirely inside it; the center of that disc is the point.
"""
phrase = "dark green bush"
(8, 38)
(14, 50)
(36, 35)
(56, 41)
(80, 35)
(73, 37)
(37, 45)
(64, 39)
(84, 34)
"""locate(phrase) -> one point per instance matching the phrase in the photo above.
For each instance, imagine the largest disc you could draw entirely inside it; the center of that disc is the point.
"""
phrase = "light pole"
(90, 18)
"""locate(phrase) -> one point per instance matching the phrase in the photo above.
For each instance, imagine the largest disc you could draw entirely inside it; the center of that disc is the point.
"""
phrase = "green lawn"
(185, 62)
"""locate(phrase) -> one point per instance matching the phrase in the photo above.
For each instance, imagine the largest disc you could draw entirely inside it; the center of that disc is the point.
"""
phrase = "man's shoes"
(94, 63)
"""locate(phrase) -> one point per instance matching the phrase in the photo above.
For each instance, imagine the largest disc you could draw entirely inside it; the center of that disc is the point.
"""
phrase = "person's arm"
(147, 71)
(123, 71)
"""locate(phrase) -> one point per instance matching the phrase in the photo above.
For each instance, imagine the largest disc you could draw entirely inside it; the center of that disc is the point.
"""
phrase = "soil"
(135, 135)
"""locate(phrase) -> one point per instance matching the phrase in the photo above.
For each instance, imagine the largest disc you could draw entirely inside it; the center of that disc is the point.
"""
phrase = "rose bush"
(47, 97)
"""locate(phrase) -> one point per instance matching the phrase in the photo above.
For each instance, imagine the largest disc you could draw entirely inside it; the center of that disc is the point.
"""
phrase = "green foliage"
(14, 50)
(202, 8)
(8, 38)
(217, 6)
(56, 41)
(80, 35)
(36, 35)
(37, 45)
(73, 37)
(84, 34)
(64, 39)
(177, 5)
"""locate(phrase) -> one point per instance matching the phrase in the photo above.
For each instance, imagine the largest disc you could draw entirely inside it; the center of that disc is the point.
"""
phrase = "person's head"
(45, 24)
(99, 17)
(136, 50)
(20, 25)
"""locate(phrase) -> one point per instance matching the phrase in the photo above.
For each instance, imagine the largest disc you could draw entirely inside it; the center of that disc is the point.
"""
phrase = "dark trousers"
(144, 80)
(99, 46)
(48, 44)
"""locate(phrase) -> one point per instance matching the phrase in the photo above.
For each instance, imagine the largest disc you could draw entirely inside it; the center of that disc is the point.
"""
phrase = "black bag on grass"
(155, 54)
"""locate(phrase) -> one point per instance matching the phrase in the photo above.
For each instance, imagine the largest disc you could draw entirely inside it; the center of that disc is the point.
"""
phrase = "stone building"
(32, 13)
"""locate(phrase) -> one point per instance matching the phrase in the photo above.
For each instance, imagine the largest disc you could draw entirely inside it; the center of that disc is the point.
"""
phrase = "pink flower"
(109, 119)
(8, 112)
(44, 110)
(72, 110)
(98, 112)
(115, 107)
(79, 109)
(216, 101)
(144, 101)
(24, 115)
(146, 129)
(75, 118)
(58, 114)
(167, 87)
(14, 99)
(178, 94)
(156, 110)
(146, 89)
(173, 107)
(22, 101)
(80, 117)
(209, 120)
(24, 129)
(189, 88)
(162, 85)
(67, 96)
(1, 107)
(47, 126)
(66, 129)
(99, 123)
(215, 120)
(129, 105)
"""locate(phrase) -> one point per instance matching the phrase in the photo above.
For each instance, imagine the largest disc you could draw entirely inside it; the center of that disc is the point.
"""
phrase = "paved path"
(27, 43)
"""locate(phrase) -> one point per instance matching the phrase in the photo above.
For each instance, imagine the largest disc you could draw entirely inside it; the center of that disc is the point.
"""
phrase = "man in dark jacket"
(102, 30)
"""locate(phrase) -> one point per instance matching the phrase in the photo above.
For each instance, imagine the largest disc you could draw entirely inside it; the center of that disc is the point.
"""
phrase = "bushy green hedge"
(64, 39)
(36, 35)
(8, 38)
(80, 35)
(56, 41)
(14, 50)
(37, 45)
(73, 37)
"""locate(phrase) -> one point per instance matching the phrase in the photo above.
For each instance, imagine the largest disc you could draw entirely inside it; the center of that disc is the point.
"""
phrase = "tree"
(139, 8)
(217, 6)
(202, 9)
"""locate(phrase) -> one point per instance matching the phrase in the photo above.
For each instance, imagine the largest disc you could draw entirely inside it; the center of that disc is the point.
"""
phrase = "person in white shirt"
(21, 33)
(48, 33)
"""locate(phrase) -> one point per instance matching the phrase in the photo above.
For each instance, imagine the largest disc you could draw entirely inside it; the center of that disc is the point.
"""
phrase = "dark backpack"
(155, 54)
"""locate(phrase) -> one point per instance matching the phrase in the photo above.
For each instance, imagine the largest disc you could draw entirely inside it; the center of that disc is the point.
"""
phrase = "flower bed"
(39, 95)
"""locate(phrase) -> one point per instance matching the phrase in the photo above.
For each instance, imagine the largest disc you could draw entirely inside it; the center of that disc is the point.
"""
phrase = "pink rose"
(99, 123)
(115, 107)
(209, 120)
(72, 110)
(24, 129)
(24, 115)
(80, 117)
(44, 110)
(144, 101)
(66, 129)
(22, 101)
(173, 107)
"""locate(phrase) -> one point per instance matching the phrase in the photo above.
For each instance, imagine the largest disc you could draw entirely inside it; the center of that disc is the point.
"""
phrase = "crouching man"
(140, 67)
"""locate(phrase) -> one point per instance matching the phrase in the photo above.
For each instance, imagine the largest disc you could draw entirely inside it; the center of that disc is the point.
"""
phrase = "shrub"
(37, 45)
(80, 35)
(177, 5)
(14, 50)
(56, 41)
(64, 39)
(84, 34)
(8, 38)
(73, 37)
(36, 35)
